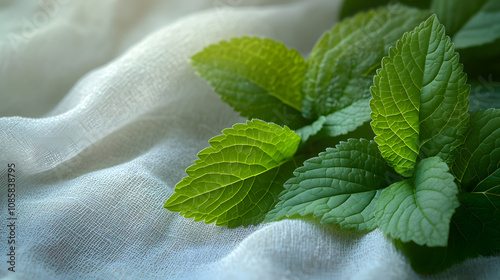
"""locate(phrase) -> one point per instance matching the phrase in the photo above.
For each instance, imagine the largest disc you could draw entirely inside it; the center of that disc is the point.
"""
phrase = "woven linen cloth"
(101, 114)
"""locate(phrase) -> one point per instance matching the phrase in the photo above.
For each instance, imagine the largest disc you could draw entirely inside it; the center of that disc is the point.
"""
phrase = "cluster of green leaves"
(425, 170)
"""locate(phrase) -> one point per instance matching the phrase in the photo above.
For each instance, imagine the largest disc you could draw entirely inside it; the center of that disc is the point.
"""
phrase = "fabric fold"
(101, 133)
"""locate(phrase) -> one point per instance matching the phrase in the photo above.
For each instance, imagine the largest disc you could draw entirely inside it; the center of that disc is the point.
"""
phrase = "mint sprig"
(430, 177)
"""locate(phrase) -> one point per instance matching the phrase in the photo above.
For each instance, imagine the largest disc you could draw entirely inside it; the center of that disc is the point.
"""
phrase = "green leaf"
(426, 260)
(475, 226)
(481, 28)
(454, 14)
(310, 130)
(475, 30)
(341, 66)
(340, 186)
(489, 183)
(478, 219)
(419, 209)
(474, 231)
(352, 7)
(474, 27)
(237, 180)
(259, 78)
(420, 99)
(484, 95)
(340, 122)
(479, 157)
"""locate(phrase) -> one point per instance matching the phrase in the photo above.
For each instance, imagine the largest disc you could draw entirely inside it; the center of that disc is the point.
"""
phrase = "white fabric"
(102, 114)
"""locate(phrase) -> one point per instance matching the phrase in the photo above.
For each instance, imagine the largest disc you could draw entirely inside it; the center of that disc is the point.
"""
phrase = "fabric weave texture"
(101, 113)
